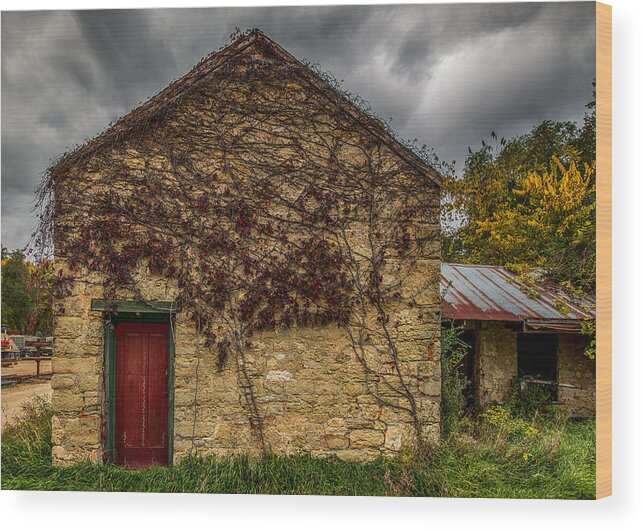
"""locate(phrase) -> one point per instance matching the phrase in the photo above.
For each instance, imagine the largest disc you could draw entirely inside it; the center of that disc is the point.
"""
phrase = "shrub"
(530, 399)
(507, 424)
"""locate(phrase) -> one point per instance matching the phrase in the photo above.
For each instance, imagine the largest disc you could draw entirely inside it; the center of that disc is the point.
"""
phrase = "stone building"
(518, 331)
(149, 367)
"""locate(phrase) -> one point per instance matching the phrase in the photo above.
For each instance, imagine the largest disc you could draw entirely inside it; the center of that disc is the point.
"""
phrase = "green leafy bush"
(530, 399)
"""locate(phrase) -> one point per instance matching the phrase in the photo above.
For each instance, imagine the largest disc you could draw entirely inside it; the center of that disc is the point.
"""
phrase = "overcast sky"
(446, 74)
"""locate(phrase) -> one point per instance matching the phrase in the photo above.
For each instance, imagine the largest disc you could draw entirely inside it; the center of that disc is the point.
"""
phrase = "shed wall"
(498, 362)
(498, 369)
(576, 368)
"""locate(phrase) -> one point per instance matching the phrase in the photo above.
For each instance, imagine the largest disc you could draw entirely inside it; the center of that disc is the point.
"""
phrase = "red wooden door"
(141, 394)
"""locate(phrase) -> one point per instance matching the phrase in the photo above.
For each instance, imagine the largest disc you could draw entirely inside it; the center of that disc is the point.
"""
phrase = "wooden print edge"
(603, 250)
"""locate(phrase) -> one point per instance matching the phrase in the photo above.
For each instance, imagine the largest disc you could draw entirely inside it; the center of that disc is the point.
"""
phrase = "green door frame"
(133, 312)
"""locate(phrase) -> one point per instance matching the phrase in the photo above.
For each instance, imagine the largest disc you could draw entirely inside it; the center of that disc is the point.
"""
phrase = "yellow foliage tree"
(529, 204)
(548, 224)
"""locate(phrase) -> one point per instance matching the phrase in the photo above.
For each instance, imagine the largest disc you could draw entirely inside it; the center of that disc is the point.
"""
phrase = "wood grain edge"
(604, 250)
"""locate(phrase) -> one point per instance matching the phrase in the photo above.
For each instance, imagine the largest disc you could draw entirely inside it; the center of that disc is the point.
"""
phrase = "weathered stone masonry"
(309, 387)
(499, 368)
(575, 368)
(498, 362)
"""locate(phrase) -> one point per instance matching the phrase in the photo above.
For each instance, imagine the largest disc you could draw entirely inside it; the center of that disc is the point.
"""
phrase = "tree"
(528, 203)
(40, 293)
(26, 293)
(16, 305)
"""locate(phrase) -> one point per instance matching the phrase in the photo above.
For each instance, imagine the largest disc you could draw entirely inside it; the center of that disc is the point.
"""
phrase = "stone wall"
(311, 394)
(77, 381)
(576, 369)
(309, 386)
(498, 368)
(498, 362)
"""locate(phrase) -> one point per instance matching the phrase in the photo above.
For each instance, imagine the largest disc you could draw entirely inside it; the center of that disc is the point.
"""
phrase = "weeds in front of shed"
(497, 455)
(453, 383)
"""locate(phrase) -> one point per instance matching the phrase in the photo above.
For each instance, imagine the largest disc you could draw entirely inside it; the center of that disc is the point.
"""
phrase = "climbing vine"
(267, 198)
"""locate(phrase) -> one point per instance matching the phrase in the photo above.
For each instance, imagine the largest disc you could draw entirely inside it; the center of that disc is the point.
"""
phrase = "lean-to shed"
(519, 330)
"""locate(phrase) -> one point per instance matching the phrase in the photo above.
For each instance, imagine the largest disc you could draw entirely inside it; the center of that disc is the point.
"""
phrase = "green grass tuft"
(496, 456)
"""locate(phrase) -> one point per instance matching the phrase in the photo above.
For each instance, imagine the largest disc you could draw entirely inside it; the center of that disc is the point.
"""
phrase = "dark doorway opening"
(538, 359)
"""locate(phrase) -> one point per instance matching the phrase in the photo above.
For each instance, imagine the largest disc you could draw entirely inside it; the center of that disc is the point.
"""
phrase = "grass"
(497, 456)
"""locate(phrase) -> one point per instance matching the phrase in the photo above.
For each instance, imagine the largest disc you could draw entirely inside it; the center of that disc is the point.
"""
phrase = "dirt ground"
(14, 396)
(24, 367)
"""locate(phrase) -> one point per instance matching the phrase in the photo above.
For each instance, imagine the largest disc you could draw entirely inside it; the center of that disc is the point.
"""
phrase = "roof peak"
(211, 62)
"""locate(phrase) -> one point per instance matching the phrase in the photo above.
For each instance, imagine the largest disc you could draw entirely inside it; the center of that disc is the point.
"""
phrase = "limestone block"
(279, 376)
(428, 409)
(431, 387)
(64, 381)
(359, 423)
(90, 382)
(366, 438)
(358, 454)
(67, 402)
(336, 442)
(70, 327)
(60, 456)
(393, 437)
(65, 365)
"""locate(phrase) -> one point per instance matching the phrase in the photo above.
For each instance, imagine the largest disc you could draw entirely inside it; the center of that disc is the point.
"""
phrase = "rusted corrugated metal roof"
(492, 293)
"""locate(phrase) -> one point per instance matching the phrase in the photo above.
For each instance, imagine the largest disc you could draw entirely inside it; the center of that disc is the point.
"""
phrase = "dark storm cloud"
(446, 74)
